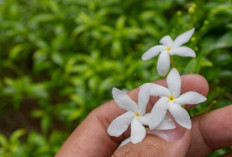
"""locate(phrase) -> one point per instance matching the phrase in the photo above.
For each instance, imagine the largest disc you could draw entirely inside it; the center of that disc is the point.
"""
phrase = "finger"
(155, 146)
(91, 136)
(211, 131)
(172, 142)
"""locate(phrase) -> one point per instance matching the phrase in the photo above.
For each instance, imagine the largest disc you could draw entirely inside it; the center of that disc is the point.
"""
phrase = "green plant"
(60, 59)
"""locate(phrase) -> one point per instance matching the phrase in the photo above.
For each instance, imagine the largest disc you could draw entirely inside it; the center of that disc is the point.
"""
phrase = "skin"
(209, 131)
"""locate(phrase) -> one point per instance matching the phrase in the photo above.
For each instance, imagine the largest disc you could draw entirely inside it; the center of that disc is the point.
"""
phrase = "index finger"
(90, 138)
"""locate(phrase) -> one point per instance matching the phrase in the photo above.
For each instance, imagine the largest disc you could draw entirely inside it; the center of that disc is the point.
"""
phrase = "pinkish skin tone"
(89, 139)
(169, 135)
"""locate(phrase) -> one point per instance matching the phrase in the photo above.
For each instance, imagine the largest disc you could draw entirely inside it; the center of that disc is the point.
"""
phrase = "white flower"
(168, 48)
(135, 116)
(166, 124)
(171, 100)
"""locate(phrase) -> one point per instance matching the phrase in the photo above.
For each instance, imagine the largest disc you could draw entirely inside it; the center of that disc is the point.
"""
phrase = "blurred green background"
(59, 59)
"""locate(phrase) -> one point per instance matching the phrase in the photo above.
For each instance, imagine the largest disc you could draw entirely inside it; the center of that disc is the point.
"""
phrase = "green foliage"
(34, 145)
(60, 59)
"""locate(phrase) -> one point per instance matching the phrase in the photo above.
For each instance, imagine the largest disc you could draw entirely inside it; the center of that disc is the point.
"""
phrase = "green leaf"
(16, 135)
(42, 18)
(224, 42)
(225, 74)
(45, 123)
(120, 23)
(57, 58)
(36, 139)
(37, 113)
(78, 99)
(204, 62)
(54, 6)
(75, 114)
(15, 51)
(3, 141)
(190, 67)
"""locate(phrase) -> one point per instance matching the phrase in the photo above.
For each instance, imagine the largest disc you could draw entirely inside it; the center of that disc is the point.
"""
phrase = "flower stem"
(172, 62)
(212, 104)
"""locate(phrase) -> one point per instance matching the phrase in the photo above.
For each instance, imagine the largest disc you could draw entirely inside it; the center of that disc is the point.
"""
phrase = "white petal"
(180, 115)
(143, 97)
(190, 98)
(138, 131)
(120, 124)
(125, 142)
(183, 38)
(157, 90)
(153, 51)
(158, 112)
(166, 40)
(166, 124)
(183, 51)
(124, 101)
(174, 82)
(145, 120)
(163, 63)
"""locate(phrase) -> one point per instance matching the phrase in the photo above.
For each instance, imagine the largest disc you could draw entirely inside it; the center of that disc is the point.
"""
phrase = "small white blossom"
(166, 124)
(171, 100)
(168, 48)
(135, 115)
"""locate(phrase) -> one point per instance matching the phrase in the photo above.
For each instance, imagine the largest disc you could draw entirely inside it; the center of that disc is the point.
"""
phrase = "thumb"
(168, 143)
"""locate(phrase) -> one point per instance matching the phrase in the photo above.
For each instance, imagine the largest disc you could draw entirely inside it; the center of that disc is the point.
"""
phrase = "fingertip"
(154, 145)
(195, 82)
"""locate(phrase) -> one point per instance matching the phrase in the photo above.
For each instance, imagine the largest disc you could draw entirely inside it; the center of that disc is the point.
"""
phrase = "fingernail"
(169, 135)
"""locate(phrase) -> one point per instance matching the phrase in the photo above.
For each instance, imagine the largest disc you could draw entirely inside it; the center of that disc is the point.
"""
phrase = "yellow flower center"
(171, 98)
(137, 114)
(169, 48)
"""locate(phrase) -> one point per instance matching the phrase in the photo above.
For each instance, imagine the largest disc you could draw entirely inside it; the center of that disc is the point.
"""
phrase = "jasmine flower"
(135, 115)
(171, 100)
(166, 124)
(169, 48)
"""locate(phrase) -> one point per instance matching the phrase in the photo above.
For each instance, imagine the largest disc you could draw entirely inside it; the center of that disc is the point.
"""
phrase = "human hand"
(209, 132)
